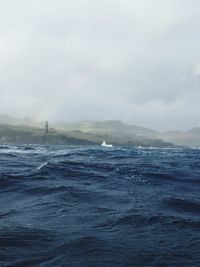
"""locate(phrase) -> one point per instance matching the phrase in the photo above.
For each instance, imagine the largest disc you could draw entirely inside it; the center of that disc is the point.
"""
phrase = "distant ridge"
(110, 127)
(27, 121)
(115, 131)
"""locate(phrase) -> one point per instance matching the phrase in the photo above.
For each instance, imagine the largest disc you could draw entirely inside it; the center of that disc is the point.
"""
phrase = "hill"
(32, 135)
(190, 138)
(27, 134)
(114, 131)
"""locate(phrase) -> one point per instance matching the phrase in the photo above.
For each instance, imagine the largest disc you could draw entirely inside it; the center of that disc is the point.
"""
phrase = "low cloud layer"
(138, 61)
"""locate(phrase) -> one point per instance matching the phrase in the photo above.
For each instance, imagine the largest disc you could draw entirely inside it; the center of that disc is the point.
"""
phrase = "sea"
(88, 206)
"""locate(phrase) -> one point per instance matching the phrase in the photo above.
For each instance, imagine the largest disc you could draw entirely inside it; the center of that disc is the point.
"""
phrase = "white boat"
(106, 145)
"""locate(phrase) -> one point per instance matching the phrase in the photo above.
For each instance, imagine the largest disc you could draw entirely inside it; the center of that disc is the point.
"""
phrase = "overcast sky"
(133, 60)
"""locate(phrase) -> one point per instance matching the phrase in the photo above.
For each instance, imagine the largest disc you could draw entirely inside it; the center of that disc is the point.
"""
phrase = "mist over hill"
(86, 132)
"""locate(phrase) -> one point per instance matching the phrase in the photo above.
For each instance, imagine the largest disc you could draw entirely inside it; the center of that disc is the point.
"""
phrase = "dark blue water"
(88, 206)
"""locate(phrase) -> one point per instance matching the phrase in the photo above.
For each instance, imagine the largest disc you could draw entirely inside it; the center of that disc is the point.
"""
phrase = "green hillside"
(26, 134)
(115, 131)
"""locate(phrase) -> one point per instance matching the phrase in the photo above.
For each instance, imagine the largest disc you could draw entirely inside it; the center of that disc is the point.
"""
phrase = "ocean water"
(92, 206)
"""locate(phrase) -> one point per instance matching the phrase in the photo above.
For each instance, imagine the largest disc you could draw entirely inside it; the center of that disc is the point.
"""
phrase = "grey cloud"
(132, 60)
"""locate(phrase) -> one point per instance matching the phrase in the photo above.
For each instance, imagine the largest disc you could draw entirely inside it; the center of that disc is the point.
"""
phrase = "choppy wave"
(88, 206)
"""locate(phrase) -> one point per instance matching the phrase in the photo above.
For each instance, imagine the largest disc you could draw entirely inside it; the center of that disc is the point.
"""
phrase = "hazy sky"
(138, 61)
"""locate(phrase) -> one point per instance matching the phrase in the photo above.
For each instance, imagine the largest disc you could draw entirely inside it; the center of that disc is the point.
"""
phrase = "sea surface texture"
(94, 206)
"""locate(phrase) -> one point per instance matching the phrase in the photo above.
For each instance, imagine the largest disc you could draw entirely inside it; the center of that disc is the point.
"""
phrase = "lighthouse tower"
(46, 127)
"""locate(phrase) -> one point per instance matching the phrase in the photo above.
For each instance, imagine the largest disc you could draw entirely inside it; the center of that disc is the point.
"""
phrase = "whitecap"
(42, 165)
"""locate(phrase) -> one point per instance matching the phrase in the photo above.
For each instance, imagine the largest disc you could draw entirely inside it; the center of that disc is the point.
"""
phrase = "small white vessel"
(106, 145)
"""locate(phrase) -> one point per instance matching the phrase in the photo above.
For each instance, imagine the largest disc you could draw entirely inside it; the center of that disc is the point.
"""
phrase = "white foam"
(106, 145)
(42, 165)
